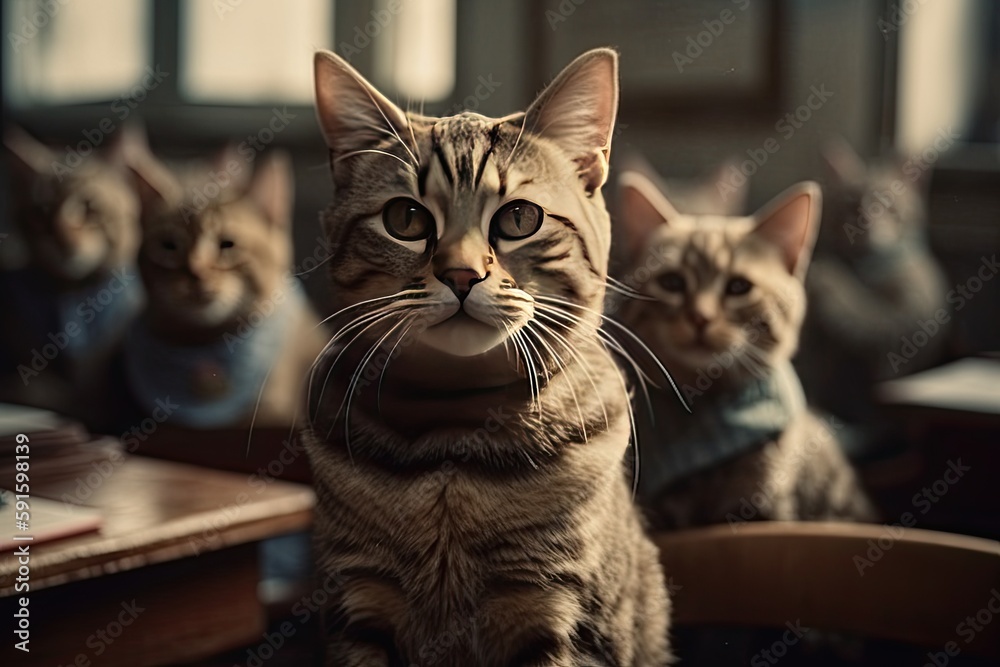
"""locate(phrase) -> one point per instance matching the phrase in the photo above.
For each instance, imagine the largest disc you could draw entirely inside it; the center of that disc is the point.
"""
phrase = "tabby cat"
(468, 434)
(722, 305)
(73, 290)
(873, 282)
(228, 334)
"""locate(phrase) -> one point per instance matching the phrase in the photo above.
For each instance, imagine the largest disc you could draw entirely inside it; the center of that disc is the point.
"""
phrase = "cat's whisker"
(405, 292)
(634, 338)
(381, 377)
(510, 156)
(413, 137)
(354, 383)
(529, 365)
(321, 263)
(339, 334)
(256, 405)
(625, 290)
(587, 368)
(563, 369)
(371, 320)
(634, 433)
(380, 152)
(378, 106)
(608, 341)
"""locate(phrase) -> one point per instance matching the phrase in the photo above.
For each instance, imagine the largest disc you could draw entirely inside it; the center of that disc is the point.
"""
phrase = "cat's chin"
(462, 336)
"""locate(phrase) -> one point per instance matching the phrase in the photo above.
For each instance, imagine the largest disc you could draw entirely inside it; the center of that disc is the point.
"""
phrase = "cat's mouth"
(462, 335)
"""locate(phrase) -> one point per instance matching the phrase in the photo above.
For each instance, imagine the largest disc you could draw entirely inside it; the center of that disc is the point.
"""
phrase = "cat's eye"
(407, 220)
(672, 281)
(225, 244)
(516, 220)
(738, 286)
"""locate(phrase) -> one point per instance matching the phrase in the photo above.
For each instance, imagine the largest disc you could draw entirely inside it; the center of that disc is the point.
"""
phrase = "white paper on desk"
(48, 520)
(21, 419)
(970, 385)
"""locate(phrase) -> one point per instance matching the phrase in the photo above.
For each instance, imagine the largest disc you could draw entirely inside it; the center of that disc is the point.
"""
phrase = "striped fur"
(468, 447)
(715, 342)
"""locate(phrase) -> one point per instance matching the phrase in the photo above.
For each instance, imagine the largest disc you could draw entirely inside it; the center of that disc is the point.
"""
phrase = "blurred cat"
(722, 308)
(226, 323)
(74, 289)
(873, 282)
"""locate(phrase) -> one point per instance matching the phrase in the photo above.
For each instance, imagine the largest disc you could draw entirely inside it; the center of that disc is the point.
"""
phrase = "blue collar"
(102, 310)
(719, 428)
(81, 320)
(216, 384)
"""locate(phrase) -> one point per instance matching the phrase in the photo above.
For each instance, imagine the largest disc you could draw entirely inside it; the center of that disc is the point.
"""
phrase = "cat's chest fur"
(443, 544)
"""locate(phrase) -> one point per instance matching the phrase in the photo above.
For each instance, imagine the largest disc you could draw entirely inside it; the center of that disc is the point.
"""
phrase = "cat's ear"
(228, 160)
(30, 156)
(642, 208)
(154, 182)
(272, 188)
(577, 112)
(352, 114)
(844, 163)
(790, 221)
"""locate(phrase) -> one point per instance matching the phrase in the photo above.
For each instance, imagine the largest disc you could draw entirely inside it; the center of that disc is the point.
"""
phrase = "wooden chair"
(906, 585)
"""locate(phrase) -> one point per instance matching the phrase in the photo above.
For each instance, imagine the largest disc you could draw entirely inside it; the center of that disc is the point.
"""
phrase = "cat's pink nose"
(461, 280)
(699, 320)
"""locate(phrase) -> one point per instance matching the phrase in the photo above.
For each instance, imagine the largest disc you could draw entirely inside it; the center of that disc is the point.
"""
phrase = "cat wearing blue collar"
(228, 335)
(70, 288)
(722, 305)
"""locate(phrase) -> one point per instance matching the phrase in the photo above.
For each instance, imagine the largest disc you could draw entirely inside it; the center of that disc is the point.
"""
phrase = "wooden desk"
(171, 577)
(949, 415)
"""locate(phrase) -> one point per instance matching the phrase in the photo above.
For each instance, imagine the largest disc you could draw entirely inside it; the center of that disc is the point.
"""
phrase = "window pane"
(252, 51)
(416, 58)
(59, 52)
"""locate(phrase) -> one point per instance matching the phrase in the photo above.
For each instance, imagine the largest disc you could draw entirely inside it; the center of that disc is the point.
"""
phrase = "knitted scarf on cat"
(216, 384)
(718, 429)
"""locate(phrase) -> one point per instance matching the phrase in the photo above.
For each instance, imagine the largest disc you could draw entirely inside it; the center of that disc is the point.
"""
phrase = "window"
(244, 52)
(227, 51)
(60, 52)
